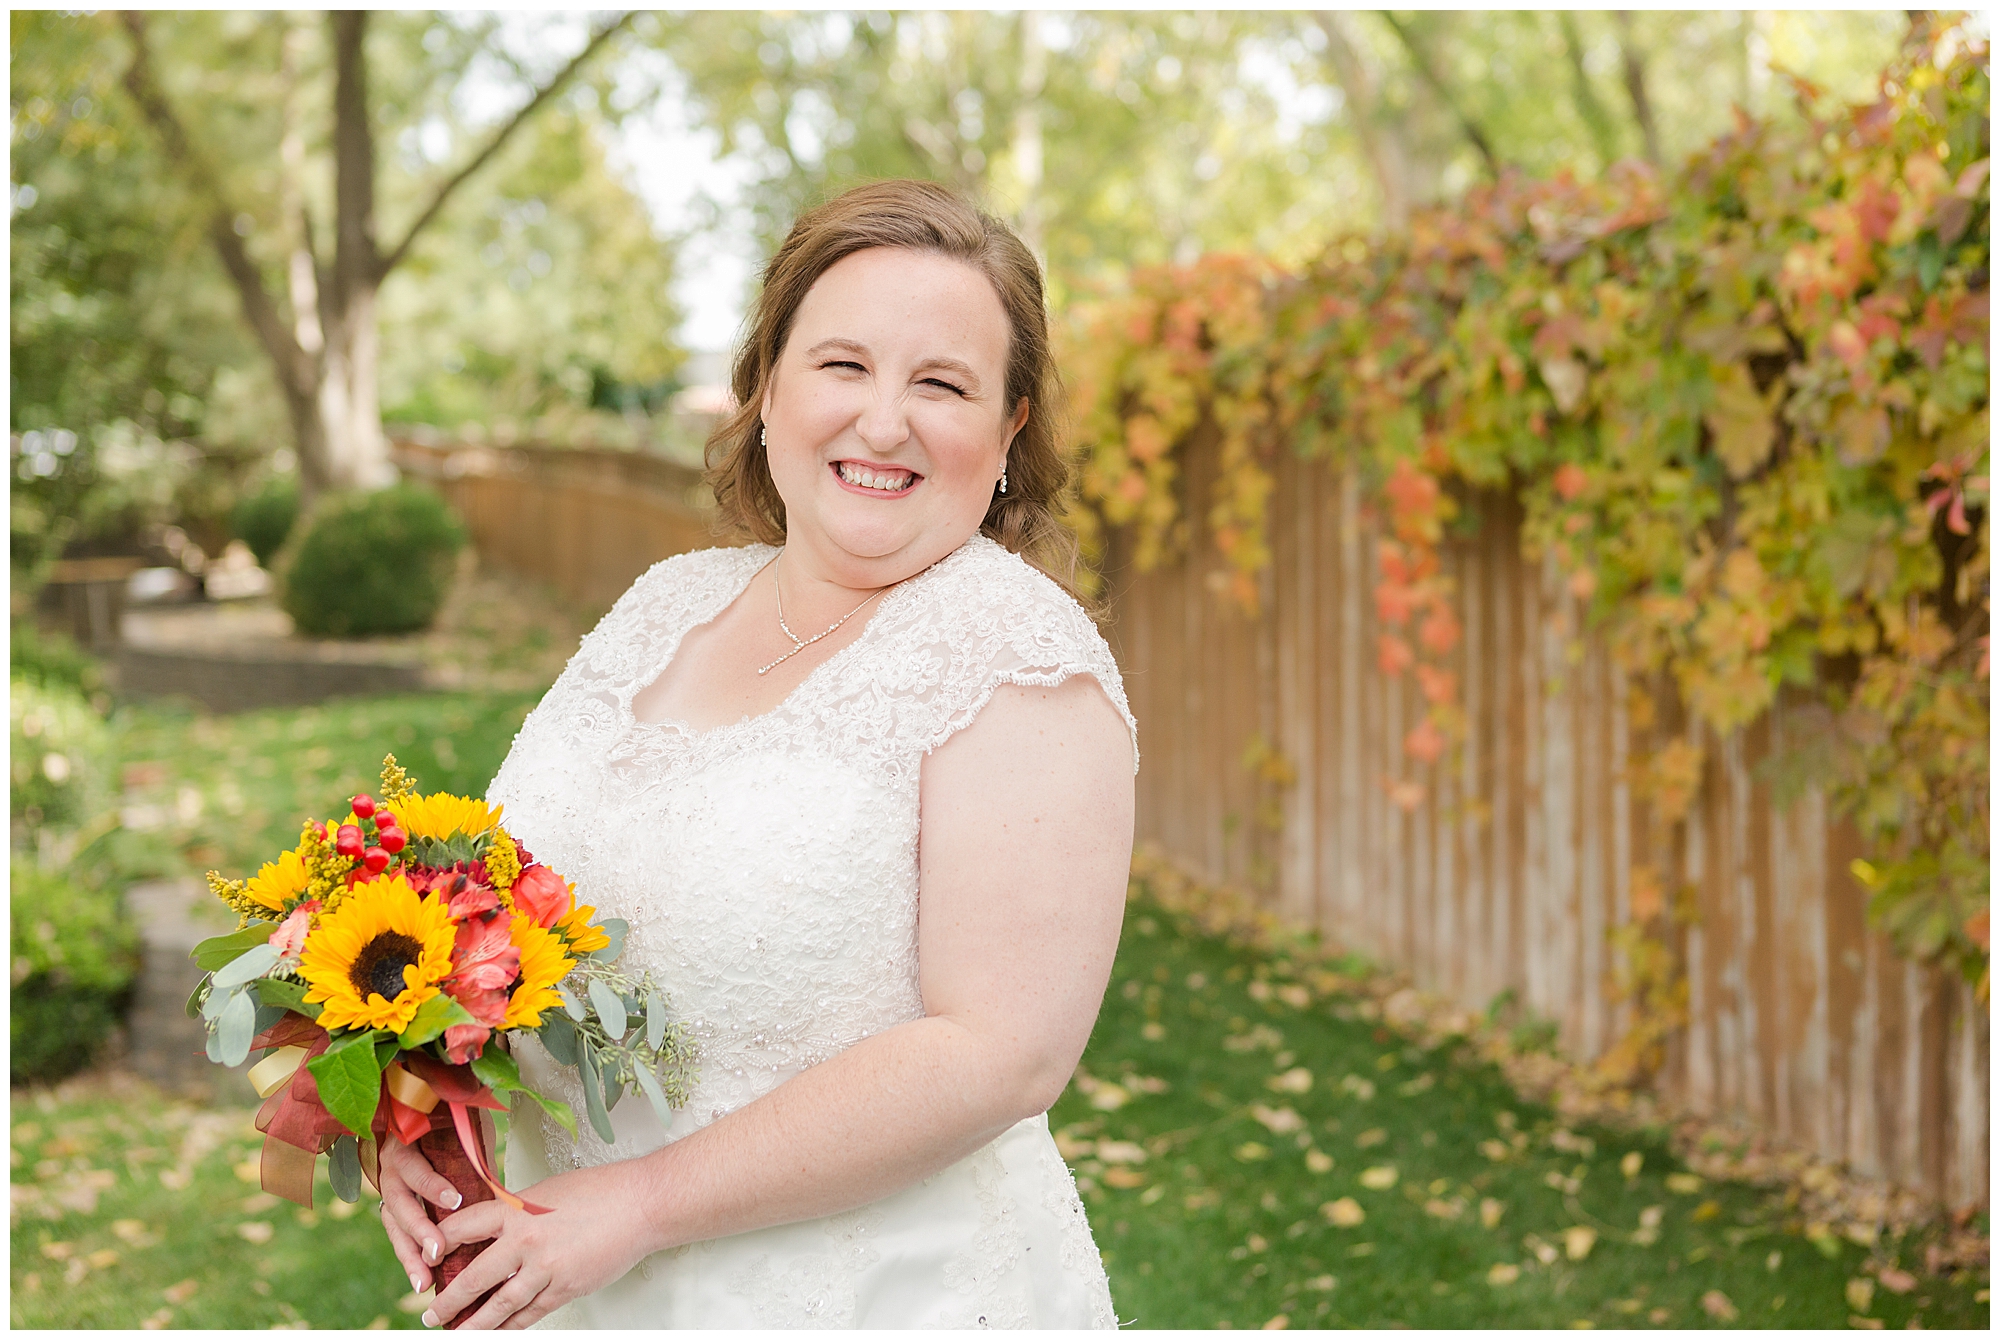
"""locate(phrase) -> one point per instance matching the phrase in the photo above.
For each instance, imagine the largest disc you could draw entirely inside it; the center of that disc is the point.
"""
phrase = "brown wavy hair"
(914, 216)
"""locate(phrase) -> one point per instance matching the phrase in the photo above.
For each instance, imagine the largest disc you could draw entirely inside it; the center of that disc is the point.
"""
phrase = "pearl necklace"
(799, 645)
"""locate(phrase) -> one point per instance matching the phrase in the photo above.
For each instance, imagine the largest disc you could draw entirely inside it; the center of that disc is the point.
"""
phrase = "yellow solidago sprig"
(396, 784)
(326, 869)
(503, 865)
(235, 893)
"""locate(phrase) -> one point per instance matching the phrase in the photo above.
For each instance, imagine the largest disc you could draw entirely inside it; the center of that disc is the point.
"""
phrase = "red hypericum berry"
(364, 805)
(349, 841)
(392, 839)
(376, 860)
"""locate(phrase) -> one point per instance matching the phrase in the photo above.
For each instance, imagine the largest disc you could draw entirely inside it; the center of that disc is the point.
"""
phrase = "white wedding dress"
(769, 872)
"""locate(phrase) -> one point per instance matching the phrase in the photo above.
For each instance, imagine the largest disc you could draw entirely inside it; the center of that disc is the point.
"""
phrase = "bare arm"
(1026, 843)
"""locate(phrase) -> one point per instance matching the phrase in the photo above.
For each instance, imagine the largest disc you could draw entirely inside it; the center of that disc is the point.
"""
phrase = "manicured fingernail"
(452, 1200)
(429, 1318)
(430, 1253)
(416, 1283)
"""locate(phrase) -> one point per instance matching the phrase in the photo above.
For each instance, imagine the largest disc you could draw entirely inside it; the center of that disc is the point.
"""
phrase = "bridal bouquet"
(382, 964)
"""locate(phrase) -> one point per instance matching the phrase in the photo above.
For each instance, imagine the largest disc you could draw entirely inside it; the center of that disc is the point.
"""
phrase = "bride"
(866, 801)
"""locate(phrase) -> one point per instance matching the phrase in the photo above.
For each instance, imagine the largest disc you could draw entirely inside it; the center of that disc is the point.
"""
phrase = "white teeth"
(868, 479)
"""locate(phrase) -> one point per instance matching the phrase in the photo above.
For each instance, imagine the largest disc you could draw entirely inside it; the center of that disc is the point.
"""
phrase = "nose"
(883, 425)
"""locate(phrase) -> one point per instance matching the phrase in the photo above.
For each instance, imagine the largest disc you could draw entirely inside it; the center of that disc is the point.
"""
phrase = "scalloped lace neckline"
(823, 670)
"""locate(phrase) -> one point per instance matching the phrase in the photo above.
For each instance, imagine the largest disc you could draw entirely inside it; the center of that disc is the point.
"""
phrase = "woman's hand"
(592, 1236)
(407, 1180)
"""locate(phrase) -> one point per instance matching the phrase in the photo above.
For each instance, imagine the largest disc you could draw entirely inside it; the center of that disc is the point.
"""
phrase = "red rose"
(542, 895)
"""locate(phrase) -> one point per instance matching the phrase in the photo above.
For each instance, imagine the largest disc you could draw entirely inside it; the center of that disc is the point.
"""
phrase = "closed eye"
(841, 363)
(939, 382)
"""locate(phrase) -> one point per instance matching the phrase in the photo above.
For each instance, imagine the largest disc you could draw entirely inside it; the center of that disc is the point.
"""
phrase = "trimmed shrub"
(366, 563)
(263, 519)
(75, 964)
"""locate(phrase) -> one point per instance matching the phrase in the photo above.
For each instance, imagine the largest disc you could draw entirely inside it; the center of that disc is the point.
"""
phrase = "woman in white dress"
(866, 801)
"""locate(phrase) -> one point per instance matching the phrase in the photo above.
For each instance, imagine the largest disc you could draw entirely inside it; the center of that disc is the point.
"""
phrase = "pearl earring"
(1003, 476)
(763, 437)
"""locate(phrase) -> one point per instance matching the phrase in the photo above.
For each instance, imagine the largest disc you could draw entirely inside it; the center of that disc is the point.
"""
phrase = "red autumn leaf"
(1875, 210)
(1394, 603)
(1393, 655)
(1439, 686)
(1425, 743)
(1978, 927)
(1847, 344)
(1440, 631)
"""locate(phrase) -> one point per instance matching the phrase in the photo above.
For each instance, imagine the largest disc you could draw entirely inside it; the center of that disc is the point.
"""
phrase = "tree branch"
(292, 362)
(1429, 73)
(1381, 138)
(1635, 86)
(493, 146)
(1602, 131)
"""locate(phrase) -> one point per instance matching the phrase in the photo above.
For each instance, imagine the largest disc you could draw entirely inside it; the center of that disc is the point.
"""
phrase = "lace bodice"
(768, 868)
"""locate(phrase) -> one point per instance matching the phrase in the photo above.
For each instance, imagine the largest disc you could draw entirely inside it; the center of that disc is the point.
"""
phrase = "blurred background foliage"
(541, 301)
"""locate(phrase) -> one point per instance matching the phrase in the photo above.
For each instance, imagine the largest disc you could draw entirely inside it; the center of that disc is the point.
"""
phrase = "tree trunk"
(1635, 86)
(1381, 135)
(1603, 133)
(1028, 129)
(358, 455)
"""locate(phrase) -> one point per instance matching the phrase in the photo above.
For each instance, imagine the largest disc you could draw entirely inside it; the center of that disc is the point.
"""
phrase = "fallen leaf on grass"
(1865, 1323)
(1494, 1149)
(1362, 1089)
(1861, 1294)
(1317, 1162)
(1369, 1139)
(1773, 1261)
(1153, 1195)
(180, 1293)
(1125, 1179)
(1250, 1151)
(1578, 1241)
(1502, 1273)
(1716, 1304)
(58, 1251)
(1153, 1032)
(1321, 1283)
(74, 1272)
(1490, 1211)
(1683, 1184)
(1343, 1213)
(158, 1321)
(256, 1231)
(1706, 1211)
(1110, 1097)
(1379, 1178)
(1120, 1151)
(1897, 1281)
(1277, 1323)
(1660, 1316)
(1631, 1164)
(1443, 1209)
(103, 1258)
(1278, 1121)
(250, 1170)
(1296, 1080)
(132, 1231)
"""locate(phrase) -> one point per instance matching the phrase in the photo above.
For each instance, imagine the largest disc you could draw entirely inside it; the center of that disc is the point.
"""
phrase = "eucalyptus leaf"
(235, 1027)
(615, 929)
(214, 1045)
(656, 1021)
(196, 997)
(650, 1086)
(218, 951)
(593, 1100)
(614, 1089)
(610, 1009)
(343, 1168)
(251, 964)
(215, 1002)
(558, 1035)
(571, 1005)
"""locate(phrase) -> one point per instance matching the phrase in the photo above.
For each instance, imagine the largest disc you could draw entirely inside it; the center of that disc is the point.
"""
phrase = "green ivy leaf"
(349, 1080)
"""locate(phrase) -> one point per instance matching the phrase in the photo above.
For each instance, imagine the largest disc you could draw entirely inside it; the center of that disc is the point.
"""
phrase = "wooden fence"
(1516, 867)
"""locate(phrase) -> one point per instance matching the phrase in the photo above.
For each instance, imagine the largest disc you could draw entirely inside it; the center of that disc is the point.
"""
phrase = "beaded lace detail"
(768, 867)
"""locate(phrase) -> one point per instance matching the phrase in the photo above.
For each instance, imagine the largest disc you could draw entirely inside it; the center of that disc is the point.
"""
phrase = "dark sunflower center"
(378, 968)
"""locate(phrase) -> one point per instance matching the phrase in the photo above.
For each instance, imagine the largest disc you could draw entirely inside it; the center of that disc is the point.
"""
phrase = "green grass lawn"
(131, 1209)
(1253, 1149)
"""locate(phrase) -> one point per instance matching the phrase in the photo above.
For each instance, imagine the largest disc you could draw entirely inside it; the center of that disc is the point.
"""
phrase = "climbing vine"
(1744, 409)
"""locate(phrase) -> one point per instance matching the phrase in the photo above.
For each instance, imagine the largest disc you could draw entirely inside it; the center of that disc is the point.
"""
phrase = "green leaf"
(571, 1005)
(196, 998)
(432, 1018)
(221, 950)
(287, 995)
(247, 966)
(350, 1081)
(656, 1021)
(614, 927)
(593, 1100)
(497, 1070)
(343, 1169)
(558, 1035)
(234, 1028)
(650, 1086)
(610, 1009)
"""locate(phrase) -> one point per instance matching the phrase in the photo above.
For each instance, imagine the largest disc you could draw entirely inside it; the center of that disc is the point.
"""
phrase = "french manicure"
(430, 1318)
(430, 1253)
(416, 1283)
(452, 1200)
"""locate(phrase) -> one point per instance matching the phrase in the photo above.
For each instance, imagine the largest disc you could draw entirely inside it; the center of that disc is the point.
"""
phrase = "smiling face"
(887, 416)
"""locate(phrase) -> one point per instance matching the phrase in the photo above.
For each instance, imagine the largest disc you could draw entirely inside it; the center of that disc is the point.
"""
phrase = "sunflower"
(439, 816)
(543, 964)
(581, 937)
(279, 882)
(380, 955)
